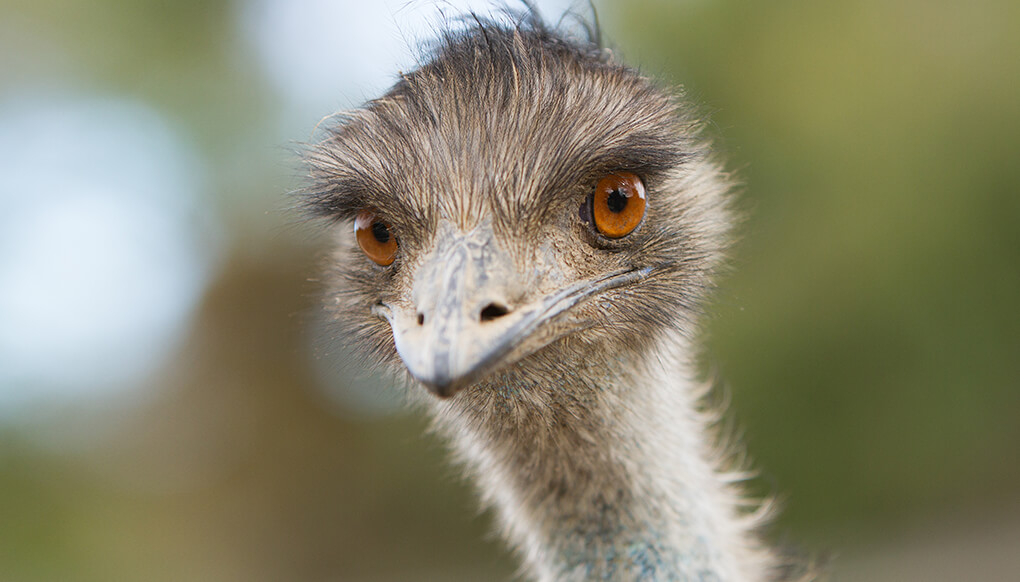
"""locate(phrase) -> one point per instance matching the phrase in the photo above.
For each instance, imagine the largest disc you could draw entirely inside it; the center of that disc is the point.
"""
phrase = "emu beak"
(463, 327)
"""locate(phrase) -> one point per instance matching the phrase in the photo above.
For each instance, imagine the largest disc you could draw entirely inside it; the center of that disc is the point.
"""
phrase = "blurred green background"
(171, 410)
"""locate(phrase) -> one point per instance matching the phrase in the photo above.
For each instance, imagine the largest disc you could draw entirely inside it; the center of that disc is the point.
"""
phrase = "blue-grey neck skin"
(628, 489)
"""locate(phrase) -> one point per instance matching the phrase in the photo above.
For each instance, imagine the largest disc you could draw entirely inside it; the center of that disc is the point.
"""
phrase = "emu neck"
(599, 475)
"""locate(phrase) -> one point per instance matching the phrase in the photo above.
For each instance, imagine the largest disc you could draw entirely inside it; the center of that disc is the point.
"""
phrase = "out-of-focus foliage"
(868, 334)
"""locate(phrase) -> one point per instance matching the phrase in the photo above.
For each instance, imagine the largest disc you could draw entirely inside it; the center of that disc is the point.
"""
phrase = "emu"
(529, 231)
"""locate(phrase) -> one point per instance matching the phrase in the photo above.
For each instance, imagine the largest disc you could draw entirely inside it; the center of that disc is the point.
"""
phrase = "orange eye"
(375, 238)
(618, 204)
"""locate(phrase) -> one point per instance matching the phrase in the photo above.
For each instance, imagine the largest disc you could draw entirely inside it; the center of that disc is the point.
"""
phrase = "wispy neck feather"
(605, 469)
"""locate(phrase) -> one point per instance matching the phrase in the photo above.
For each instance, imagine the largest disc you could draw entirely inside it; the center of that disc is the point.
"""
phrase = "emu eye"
(618, 204)
(375, 238)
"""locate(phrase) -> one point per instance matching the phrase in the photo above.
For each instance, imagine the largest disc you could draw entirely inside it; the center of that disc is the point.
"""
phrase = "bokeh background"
(172, 408)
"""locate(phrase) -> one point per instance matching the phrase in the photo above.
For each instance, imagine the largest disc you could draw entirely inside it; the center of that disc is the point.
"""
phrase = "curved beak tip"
(443, 391)
(444, 387)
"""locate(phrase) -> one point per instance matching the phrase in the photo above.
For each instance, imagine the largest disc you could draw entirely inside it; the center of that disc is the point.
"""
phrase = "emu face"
(499, 225)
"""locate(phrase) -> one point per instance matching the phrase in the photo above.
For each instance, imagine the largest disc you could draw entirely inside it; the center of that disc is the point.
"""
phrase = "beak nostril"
(421, 319)
(493, 311)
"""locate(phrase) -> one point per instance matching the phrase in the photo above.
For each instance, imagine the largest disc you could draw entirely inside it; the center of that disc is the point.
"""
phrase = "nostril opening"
(421, 319)
(494, 311)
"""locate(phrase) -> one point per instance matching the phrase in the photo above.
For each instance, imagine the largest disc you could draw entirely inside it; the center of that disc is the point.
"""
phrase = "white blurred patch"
(104, 249)
(326, 55)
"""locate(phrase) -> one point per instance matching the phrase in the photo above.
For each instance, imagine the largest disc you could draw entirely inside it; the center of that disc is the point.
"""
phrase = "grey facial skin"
(464, 326)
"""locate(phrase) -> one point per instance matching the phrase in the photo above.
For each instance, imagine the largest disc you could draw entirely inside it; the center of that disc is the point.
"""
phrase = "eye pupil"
(380, 232)
(617, 201)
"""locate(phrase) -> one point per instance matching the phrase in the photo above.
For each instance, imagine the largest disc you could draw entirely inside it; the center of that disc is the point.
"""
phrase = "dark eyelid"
(644, 155)
(335, 200)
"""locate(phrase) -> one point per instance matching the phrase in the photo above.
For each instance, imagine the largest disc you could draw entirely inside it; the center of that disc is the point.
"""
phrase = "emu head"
(517, 207)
